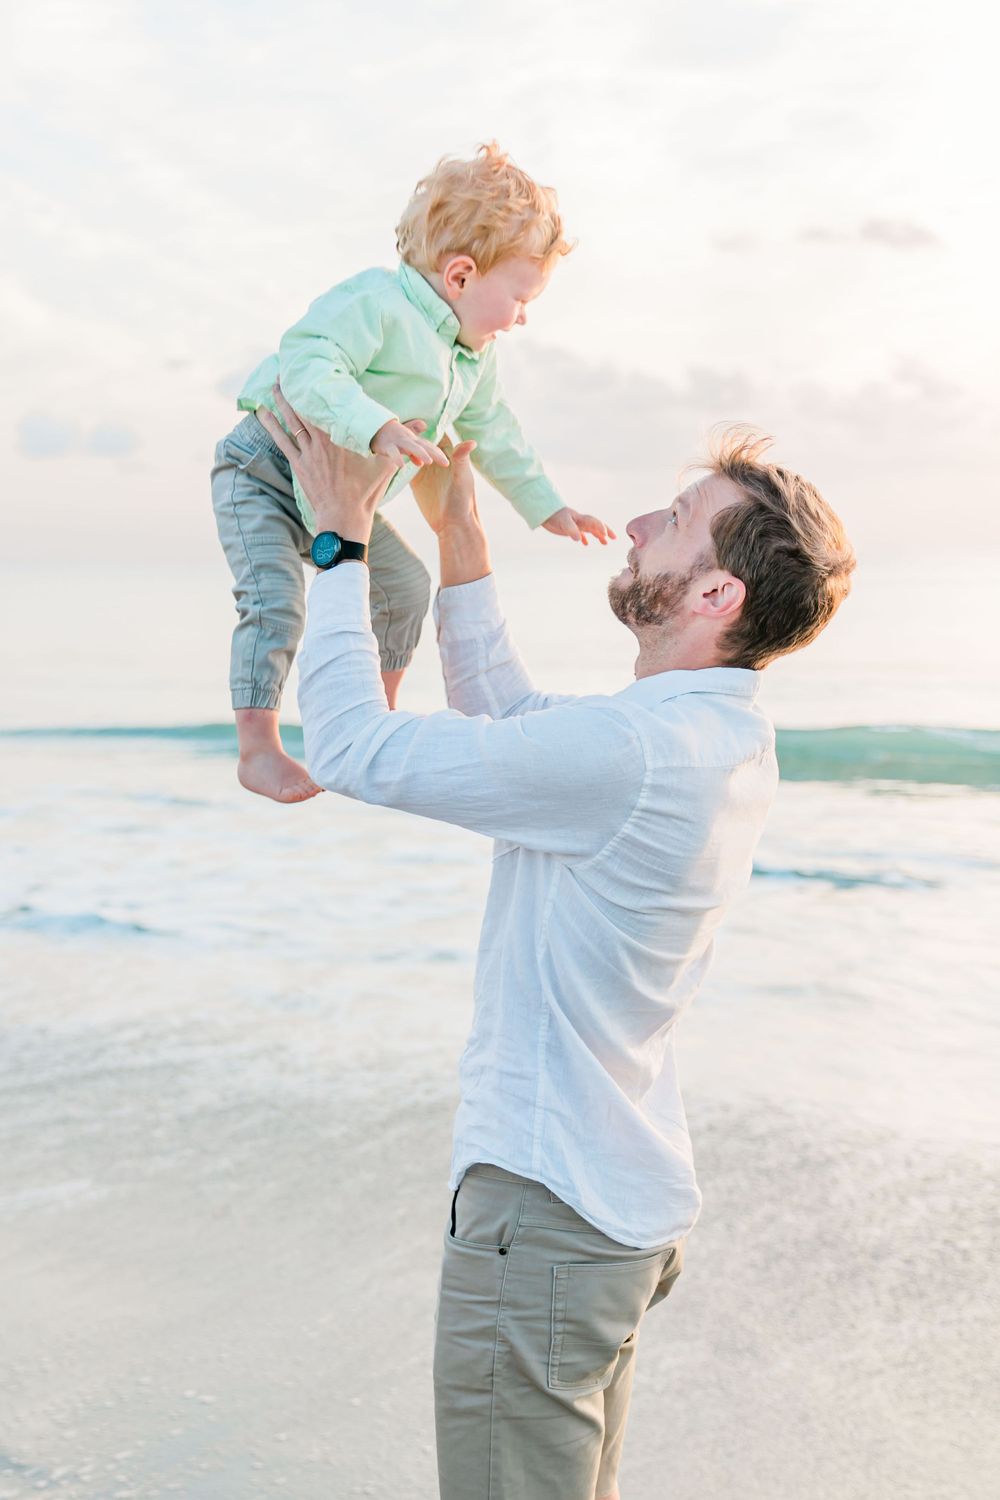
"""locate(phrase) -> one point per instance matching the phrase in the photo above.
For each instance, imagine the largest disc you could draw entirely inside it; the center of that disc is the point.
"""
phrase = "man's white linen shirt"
(623, 825)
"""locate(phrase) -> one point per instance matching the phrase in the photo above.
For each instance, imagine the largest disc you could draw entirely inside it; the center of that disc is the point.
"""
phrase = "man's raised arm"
(563, 781)
(483, 670)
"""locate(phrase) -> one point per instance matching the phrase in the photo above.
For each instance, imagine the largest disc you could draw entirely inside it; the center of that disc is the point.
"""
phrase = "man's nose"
(643, 527)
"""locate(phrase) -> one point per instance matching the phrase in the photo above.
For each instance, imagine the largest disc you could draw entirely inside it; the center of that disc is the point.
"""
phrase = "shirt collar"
(434, 308)
(735, 682)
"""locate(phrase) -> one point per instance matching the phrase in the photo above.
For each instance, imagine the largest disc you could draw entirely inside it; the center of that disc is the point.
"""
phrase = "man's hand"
(573, 524)
(343, 488)
(448, 497)
(447, 501)
(401, 444)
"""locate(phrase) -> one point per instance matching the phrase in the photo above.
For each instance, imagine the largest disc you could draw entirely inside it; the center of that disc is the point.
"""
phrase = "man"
(623, 827)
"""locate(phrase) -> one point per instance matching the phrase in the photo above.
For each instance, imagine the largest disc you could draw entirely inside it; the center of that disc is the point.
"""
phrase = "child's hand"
(571, 523)
(397, 442)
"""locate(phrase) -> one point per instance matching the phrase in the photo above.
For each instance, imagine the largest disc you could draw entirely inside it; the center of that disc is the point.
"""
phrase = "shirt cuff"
(467, 606)
(365, 418)
(341, 594)
(536, 504)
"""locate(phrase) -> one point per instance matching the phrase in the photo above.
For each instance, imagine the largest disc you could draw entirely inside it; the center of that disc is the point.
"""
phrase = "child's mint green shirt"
(381, 345)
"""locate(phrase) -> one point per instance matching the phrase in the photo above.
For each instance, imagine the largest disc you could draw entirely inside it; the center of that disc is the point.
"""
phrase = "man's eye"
(673, 518)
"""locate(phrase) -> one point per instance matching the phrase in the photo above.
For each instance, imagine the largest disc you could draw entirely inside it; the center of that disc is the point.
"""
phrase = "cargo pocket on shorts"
(596, 1308)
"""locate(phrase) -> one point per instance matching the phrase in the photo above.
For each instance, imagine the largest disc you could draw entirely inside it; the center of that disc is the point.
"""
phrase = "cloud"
(109, 441)
(817, 234)
(147, 269)
(41, 436)
(601, 415)
(734, 244)
(892, 234)
(726, 34)
(884, 451)
(898, 234)
(597, 414)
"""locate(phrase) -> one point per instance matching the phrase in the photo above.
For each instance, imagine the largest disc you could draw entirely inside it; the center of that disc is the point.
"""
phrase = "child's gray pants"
(266, 544)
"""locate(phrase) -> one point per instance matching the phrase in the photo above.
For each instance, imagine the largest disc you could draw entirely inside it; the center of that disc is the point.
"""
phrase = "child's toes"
(272, 773)
(300, 791)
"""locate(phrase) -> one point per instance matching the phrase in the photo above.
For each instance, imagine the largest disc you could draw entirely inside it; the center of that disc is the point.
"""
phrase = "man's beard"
(654, 601)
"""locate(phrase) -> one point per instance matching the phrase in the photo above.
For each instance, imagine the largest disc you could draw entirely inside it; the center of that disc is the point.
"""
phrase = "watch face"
(325, 549)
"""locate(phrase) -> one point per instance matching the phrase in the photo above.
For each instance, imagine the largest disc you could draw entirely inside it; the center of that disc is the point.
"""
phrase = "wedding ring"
(297, 431)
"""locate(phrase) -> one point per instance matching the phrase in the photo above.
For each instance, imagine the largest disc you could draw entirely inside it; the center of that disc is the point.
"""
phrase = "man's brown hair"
(785, 544)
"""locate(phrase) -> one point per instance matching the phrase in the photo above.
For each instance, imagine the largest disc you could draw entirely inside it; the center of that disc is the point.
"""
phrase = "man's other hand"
(447, 497)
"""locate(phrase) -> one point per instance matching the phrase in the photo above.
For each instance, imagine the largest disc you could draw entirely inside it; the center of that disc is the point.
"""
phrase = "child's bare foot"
(274, 774)
(264, 767)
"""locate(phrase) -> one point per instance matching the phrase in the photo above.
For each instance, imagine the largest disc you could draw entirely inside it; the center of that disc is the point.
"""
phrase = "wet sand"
(219, 1265)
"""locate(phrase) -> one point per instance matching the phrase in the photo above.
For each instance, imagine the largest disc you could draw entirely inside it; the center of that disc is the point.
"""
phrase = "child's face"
(494, 303)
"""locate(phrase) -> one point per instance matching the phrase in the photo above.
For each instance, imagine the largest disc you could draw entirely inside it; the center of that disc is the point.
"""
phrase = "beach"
(228, 1078)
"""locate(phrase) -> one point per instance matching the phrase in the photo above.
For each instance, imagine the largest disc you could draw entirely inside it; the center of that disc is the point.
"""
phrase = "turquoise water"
(947, 757)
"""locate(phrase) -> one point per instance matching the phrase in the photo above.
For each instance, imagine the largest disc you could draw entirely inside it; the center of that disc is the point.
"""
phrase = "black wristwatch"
(329, 549)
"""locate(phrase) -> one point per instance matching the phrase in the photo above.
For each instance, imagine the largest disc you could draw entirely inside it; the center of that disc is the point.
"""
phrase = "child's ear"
(457, 274)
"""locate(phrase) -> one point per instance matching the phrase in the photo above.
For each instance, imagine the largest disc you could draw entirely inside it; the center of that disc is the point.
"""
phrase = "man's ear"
(457, 274)
(719, 596)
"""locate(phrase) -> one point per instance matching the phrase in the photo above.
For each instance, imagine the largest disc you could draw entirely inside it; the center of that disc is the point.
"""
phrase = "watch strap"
(352, 552)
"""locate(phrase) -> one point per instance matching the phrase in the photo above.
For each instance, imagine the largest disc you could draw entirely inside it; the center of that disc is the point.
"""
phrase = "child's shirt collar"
(434, 308)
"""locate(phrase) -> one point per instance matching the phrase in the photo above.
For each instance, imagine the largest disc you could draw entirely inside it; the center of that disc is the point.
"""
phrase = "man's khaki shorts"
(538, 1316)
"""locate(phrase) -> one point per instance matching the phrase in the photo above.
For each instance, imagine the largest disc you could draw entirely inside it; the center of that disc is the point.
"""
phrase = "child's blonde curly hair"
(486, 208)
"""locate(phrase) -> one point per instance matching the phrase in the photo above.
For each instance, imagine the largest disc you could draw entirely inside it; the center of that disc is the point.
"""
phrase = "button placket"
(447, 410)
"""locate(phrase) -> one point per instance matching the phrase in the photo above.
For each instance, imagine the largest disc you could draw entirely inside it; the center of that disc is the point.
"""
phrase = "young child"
(477, 243)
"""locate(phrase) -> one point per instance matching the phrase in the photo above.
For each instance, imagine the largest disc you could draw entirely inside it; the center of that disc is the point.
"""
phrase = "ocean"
(230, 1034)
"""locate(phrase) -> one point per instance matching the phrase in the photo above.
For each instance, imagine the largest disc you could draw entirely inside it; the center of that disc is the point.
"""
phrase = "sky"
(785, 214)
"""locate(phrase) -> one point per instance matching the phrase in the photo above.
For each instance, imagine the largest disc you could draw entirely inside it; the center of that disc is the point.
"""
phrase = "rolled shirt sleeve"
(319, 372)
(483, 670)
(561, 780)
